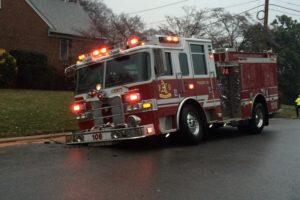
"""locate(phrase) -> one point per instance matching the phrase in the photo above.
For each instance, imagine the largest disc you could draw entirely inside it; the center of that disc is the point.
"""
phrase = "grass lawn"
(31, 112)
(287, 111)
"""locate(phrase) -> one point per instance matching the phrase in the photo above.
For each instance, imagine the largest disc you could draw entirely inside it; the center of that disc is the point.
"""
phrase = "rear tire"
(258, 119)
(191, 125)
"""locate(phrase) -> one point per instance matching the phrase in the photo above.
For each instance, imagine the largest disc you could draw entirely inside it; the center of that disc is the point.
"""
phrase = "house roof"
(62, 16)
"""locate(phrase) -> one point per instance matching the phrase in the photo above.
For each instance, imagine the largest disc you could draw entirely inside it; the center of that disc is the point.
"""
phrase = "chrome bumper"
(110, 135)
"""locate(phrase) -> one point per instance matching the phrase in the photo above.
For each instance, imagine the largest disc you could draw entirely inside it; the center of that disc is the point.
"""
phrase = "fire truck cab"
(166, 85)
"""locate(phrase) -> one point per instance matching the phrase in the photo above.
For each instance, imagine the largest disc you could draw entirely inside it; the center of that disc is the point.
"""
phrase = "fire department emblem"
(164, 90)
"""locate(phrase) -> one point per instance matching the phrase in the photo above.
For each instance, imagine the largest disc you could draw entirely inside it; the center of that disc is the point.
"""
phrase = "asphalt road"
(229, 165)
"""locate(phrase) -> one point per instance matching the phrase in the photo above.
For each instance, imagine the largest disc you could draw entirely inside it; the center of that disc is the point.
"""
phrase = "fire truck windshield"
(88, 77)
(128, 69)
(121, 70)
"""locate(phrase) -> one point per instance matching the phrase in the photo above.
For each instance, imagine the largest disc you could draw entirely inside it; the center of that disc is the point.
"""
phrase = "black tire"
(257, 122)
(191, 125)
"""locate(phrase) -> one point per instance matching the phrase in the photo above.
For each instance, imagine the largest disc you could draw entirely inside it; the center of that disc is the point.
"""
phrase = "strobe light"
(133, 42)
(77, 108)
(133, 97)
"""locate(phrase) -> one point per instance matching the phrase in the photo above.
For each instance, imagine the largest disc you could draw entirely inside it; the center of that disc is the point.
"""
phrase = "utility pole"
(266, 21)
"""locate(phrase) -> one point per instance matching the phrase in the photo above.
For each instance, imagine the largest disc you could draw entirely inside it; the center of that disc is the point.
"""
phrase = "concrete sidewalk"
(56, 137)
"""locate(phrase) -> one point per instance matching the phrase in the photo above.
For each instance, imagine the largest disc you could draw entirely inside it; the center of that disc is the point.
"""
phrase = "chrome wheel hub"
(193, 123)
(259, 118)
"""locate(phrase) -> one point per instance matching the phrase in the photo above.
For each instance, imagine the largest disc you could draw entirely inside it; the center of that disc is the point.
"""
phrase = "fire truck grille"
(108, 111)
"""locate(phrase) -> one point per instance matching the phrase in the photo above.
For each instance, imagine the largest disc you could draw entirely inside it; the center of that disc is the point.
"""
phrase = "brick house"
(52, 27)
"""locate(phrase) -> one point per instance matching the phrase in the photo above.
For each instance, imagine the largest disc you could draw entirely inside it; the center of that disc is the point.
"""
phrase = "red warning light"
(133, 97)
(133, 42)
(76, 108)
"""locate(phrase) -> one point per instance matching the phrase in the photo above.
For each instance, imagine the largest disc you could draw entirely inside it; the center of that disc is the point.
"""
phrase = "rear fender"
(260, 98)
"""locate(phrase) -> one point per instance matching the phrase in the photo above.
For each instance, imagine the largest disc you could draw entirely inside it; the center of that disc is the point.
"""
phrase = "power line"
(289, 3)
(230, 6)
(156, 22)
(240, 4)
(285, 7)
(234, 15)
(281, 11)
(155, 8)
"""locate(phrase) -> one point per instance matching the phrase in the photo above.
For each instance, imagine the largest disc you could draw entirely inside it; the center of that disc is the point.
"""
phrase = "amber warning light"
(82, 57)
(100, 52)
(96, 53)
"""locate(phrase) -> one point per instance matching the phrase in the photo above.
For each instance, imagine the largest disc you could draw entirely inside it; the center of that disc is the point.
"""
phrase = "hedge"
(35, 73)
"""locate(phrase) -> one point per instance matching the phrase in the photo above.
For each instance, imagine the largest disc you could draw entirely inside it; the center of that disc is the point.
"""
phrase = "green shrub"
(34, 72)
(8, 69)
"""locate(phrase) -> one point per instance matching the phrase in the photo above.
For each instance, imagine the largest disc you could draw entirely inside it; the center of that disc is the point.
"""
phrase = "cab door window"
(198, 58)
(183, 62)
(169, 64)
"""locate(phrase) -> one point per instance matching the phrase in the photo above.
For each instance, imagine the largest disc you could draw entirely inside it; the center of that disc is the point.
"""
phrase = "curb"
(37, 137)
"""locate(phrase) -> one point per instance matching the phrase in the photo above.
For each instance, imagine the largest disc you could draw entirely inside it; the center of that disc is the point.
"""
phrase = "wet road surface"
(228, 165)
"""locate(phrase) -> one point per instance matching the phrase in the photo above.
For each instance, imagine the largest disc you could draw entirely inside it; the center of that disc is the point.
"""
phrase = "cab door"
(167, 87)
(200, 69)
(184, 75)
(204, 73)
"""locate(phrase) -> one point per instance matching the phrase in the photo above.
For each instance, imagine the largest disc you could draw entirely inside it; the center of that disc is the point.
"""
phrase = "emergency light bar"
(100, 52)
(169, 39)
(132, 42)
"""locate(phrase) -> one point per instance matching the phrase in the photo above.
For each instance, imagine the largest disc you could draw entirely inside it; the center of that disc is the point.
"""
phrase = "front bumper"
(110, 134)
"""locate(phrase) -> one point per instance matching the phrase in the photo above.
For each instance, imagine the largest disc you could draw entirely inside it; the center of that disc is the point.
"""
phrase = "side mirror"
(70, 71)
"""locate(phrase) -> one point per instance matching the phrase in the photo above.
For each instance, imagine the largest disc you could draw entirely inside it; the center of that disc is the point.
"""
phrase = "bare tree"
(100, 15)
(115, 28)
(123, 26)
(192, 24)
(226, 29)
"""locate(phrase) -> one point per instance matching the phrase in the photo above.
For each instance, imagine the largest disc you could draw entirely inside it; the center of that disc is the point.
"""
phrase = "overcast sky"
(155, 16)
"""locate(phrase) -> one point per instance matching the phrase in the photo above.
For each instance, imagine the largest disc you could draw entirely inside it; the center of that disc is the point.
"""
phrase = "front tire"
(191, 125)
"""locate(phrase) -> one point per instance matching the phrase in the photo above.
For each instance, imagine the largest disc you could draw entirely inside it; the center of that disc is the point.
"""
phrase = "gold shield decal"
(164, 90)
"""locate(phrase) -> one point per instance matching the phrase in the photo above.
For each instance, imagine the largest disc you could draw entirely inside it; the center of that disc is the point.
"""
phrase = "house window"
(64, 49)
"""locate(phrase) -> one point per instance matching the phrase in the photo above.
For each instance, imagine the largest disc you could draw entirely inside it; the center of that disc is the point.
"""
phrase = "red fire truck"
(168, 84)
